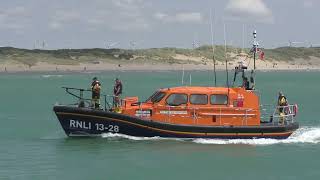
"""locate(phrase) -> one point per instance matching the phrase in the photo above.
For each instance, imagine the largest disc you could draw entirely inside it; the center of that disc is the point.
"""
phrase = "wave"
(302, 135)
(123, 136)
(51, 75)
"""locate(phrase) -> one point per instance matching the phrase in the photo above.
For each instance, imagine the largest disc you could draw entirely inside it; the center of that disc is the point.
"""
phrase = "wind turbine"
(110, 45)
(195, 42)
(314, 45)
(44, 44)
(132, 44)
(292, 43)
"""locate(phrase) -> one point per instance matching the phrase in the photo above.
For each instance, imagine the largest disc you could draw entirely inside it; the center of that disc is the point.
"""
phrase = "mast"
(255, 47)
(255, 50)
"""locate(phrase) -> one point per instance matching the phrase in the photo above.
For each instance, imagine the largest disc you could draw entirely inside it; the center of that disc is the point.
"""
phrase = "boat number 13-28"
(110, 127)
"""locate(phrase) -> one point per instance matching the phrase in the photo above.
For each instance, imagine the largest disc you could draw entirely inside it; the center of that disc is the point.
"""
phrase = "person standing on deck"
(117, 91)
(95, 88)
(282, 103)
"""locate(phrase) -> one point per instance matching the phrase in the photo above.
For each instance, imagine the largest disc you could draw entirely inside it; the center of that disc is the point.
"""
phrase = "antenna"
(243, 29)
(225, 55)
(255, 47)
(182, 78)
(225, 51)
(212, 44)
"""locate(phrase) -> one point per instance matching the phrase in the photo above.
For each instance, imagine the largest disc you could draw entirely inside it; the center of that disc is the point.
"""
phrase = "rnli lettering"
(80, 124)
(173, 112)
(95, 126)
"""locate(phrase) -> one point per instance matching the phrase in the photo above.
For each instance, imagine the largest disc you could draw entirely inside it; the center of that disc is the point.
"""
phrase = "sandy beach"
(261, 65)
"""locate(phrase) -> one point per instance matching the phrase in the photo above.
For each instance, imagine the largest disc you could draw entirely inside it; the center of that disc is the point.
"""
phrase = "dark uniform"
(95, 88)
(246, 83)
(117, 91)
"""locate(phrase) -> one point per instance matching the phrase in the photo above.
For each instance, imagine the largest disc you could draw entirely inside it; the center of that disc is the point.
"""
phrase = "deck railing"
(278, 114)
(108, 101)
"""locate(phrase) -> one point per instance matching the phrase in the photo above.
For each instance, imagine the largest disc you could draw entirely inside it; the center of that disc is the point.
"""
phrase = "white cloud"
(160, 16)
(15, 18)
(184, 17)
(249, 10)
(14, 11)
(67, 16)
(63, 17)
(308, 3)
(121, 15)
(55, 25)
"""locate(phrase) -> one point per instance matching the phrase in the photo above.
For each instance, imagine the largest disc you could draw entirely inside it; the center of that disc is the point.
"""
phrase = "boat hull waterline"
(87, 122)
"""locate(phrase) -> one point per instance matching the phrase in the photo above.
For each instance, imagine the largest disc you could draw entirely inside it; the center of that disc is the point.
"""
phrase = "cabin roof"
(199, 89)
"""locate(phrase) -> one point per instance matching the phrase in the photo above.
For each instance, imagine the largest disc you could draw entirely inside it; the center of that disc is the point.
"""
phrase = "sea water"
(33, 145)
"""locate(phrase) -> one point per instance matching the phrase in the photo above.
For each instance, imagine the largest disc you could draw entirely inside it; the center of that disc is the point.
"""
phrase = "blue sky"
(156, 23)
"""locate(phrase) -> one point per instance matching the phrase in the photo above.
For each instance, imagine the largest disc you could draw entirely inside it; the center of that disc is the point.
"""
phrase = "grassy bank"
(201, 55)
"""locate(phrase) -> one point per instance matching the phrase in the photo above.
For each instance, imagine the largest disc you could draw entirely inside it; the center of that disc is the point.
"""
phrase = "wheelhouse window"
(177, 99)
(156, 97)
(199, 99)
(219, 99)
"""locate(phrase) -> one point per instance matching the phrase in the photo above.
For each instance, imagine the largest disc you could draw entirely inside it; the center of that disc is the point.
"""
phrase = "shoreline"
(106, 67)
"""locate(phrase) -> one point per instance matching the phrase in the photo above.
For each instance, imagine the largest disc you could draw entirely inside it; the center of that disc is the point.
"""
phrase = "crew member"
(117, 91)
(246, 83)
(95, 88)
(282, 103)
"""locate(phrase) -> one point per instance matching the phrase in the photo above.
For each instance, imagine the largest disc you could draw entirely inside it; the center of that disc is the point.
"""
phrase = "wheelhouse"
(198, 105)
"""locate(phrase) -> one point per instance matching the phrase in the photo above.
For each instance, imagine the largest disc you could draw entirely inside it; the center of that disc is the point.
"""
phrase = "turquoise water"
(33, 145)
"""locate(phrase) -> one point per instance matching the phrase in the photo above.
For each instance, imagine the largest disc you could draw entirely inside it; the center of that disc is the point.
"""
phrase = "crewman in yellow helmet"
(282, 103)
(95, 88)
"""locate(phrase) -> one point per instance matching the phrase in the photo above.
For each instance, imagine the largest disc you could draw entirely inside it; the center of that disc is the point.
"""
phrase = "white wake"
(123, 136)
(302, 135)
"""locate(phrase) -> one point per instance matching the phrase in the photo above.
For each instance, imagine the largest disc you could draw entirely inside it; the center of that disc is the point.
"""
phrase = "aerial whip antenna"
(212, 44)
(182, 78)
(225, 56)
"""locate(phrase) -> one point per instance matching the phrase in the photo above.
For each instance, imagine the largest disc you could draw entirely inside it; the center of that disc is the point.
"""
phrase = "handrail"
(88, 100)
(220, 112)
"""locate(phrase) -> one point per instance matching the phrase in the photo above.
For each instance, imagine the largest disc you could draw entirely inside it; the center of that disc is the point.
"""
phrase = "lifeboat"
(180, 112)
(183, 112)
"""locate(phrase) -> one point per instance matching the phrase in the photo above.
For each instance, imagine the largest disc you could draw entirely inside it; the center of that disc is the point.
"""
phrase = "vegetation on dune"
(152, 55)
(292, 53)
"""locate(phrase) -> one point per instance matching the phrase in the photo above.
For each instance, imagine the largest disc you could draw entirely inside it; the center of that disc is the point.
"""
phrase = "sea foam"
(302, 135)
(51, 75)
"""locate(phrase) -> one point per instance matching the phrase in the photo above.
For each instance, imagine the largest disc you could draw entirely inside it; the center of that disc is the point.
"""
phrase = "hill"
(201, 55)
